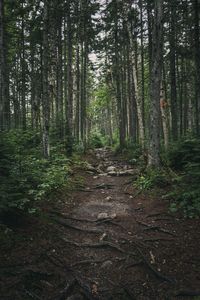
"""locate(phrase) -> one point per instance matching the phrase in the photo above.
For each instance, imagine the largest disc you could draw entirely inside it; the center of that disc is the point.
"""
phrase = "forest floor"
(102, 241)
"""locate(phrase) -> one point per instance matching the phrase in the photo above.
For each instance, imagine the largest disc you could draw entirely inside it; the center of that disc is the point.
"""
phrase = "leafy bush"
(24, 175)
(184, 152)
(152, 178)
(96, 140)
(185, 158)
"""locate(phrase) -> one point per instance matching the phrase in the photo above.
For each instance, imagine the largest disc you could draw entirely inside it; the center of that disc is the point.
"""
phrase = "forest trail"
(107, 242)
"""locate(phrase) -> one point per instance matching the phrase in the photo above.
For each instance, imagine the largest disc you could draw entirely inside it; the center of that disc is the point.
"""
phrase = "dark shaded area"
(126, 247)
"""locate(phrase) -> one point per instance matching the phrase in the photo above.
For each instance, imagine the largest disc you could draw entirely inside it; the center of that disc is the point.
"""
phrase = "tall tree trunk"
(172, 40)
(136, 89)
(4, 82)
(23, 70)
(69, 112)
(155, 84)
(45, 69)
(59, 93)
(196, 8)
(77, 123)
(165, 119)
(142, 60)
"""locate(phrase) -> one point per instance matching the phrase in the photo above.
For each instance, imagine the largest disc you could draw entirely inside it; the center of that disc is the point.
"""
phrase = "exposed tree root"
(157, 240)
(104, 186)
(68, 225)
(158, 214)
(96, 261)
(85, 287)
(153, 270)
(32, 295)
(134, 264)
(116, 247)
(155, 227)
(129, 293)
(185, 293)
(111, 222)
(95, 245)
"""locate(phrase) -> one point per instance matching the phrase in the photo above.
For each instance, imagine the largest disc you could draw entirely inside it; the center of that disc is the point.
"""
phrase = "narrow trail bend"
(110, 243)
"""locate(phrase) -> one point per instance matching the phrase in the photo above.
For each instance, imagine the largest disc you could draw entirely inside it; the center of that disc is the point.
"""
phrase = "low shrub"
(185, 158)
(25, 176)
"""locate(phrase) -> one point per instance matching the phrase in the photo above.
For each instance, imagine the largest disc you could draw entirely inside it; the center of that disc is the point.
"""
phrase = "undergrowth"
(184, 158)
(26, 177)
(181, 172)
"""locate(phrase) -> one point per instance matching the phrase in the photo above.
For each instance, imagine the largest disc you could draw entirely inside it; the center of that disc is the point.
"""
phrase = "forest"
(99, 149)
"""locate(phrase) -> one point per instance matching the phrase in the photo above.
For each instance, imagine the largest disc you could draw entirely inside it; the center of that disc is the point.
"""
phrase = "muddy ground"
(103, 241)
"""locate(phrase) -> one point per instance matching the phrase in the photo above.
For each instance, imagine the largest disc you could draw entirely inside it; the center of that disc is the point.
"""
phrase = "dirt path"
(108, 243)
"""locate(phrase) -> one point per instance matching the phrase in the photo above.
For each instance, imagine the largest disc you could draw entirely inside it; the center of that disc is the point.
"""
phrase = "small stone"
(95, 177)
(108, 198)
(112, 173)
(131, 197)
(103, 174)
(104, 235)
(113, 216)
(102, 216)
(111, 169)
(107, 264)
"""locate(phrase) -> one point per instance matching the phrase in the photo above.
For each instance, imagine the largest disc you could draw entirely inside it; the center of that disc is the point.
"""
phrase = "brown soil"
(104, 241)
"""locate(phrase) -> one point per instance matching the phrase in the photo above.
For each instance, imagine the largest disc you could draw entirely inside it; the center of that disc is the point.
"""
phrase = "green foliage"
(25, 176)
(96, 140)
(184, 152)
(185, 157)
(152, 178)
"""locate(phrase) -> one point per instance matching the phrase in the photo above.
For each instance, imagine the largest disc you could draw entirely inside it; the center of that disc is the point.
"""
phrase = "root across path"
(102, 242)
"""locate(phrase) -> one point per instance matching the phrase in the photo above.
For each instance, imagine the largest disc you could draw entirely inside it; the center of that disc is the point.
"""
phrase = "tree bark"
(155, 84)
(45, 69)
(172, 40)
(196, 8)
(136, 89)
(4, 82)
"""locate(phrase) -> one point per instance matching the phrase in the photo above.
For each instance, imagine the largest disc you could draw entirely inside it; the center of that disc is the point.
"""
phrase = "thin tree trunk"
(173, 71)
(23, 95)
(4, 82)
(136, 89)
(69, 112)
(196, 8)
(45, 102)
